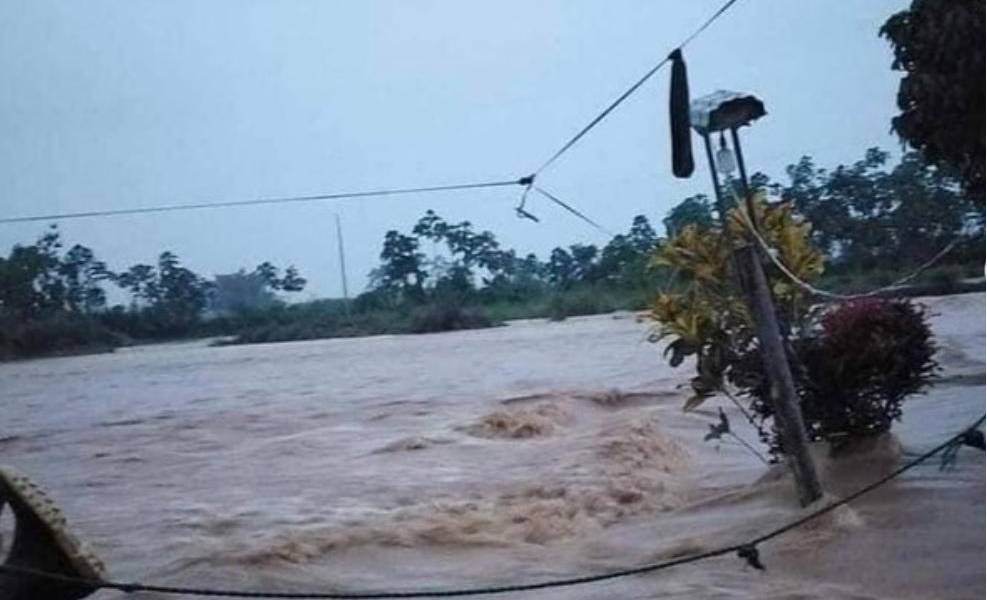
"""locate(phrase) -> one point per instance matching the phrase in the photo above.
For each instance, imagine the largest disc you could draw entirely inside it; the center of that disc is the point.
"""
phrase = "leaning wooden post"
(784, 399)
(718, 112)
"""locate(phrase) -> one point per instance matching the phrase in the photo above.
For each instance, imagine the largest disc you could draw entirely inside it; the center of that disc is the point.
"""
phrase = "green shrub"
(573, 303)
(531, 308)
(437, 317)
(62, 333)
(946, 278)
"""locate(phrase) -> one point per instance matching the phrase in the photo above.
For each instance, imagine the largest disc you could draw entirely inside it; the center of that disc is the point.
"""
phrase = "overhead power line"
(257, 201)
(524, 181)
(629, 91)
(572, 210)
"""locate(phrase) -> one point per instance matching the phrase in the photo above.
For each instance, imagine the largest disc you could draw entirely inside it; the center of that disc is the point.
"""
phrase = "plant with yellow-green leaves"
(705, 314)
(855, 361)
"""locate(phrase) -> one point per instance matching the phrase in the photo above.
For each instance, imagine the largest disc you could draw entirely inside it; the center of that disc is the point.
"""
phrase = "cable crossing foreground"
(747, 551)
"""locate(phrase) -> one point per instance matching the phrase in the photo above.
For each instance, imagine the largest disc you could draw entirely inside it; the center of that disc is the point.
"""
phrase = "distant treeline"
(873, 224)
(54, 301)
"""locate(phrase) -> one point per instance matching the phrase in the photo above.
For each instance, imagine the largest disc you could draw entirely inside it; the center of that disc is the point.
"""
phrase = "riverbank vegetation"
(854, 361)
(872, 223)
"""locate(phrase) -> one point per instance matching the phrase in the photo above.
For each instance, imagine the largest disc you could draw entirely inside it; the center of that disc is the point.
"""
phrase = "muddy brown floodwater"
(498, 456)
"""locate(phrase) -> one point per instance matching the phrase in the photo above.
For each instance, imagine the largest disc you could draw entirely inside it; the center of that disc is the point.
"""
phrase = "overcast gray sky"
(135, 103)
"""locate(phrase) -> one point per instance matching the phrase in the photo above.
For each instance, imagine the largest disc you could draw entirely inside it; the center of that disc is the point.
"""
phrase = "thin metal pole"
(720, 205)
(342, 262)
(745, 185)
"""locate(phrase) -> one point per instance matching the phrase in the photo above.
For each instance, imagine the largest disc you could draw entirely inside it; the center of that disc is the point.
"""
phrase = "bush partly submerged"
(302, 322)
(60, 334)
(856, 361)
(446, 317)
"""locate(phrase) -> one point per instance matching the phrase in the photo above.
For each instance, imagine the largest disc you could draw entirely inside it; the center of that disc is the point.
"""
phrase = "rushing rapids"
(494, 456)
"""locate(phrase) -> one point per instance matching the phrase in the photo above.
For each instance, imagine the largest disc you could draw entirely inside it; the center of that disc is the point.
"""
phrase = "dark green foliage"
(625, 260)
(947, 278)
(694, 210)
(561, 268)
(561, 304)
(437, 317)
(61, 333)
(475, 270)
(53, 302)
(865, 217)
(401, 274)
(470, 251)
(331, 319)
(474, 284)
(36, 282)
(876, 225)
(583, 301)
(83, 275)
(939, 44)
(47, 300)
(169, 300)
(291, 282)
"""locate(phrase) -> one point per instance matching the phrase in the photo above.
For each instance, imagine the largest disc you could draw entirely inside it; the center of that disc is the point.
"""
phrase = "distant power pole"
(342, 261)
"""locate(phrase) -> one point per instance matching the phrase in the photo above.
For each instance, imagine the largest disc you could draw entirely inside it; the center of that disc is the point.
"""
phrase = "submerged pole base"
(42, 542)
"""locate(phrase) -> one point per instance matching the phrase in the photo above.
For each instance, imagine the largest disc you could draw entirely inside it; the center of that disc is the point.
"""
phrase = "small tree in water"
(854, 362)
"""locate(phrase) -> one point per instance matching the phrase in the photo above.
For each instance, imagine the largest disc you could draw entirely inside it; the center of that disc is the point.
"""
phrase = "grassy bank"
(331, 318)
(941, 280)
(63, 334)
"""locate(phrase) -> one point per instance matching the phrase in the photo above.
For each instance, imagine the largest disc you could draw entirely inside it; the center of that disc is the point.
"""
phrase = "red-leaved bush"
(852, 376)
(870, 355)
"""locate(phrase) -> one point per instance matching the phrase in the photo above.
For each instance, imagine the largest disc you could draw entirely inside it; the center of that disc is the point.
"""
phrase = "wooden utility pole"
(784, 397)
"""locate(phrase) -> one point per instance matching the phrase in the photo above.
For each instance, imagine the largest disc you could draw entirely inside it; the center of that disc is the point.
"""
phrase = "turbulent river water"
(497, 456)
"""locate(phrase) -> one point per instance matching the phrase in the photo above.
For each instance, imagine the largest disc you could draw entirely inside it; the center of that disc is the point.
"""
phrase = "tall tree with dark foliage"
(939, 44)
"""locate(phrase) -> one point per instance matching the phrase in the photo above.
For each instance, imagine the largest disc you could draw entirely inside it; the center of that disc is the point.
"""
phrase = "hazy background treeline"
(875, 222)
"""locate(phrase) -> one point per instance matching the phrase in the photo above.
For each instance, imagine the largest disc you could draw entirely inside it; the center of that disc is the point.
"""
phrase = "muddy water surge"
(486, 457)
